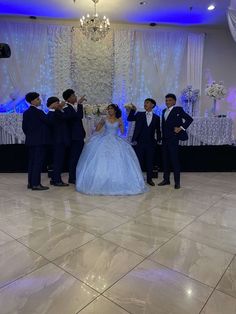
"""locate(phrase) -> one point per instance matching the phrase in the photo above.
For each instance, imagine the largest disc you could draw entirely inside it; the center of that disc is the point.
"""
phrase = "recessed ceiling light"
(211, 7)
(143, 2)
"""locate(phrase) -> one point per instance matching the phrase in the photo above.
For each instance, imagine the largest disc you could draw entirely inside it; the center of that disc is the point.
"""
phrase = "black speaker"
(5, 51)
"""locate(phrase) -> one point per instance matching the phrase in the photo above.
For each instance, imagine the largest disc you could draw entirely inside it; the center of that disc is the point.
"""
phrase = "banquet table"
(203, 131)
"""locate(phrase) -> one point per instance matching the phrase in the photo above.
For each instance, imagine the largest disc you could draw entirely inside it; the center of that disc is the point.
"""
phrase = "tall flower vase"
(214, 107)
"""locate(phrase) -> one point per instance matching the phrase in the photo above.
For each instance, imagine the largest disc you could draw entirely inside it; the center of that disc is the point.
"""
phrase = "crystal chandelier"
(94, 27)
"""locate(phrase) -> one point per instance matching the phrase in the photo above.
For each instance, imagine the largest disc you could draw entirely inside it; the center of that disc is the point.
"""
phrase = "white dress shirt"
(149, 115)
(74, 106)
(167, 112)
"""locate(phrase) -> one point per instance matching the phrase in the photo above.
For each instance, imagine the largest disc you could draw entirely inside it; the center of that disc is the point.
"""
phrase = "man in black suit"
(74, 113)
(175, 121)
(146, 134)
(60, 138)
(36, 130)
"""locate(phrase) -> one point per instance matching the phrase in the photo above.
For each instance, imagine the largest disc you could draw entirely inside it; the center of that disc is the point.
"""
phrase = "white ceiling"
(185, 12)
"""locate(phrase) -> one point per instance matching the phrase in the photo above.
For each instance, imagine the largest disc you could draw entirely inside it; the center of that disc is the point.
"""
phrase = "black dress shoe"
(61, 184)
(150, 182)
(44, 187)
(71, 181)
(164, 182)
(39, 188)
(177, 186)
(29, 186)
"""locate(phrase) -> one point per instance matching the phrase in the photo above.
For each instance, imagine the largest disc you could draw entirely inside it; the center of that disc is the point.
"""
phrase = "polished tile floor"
(164, 252)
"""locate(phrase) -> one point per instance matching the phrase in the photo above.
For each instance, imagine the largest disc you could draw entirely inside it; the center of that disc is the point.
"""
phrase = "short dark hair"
(31, 96)
(151, 100)
(117, 110)
(171, 96)
(51, 101)
(67, 93)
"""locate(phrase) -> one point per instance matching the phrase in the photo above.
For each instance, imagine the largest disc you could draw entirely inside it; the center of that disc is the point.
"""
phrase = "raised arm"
(100, 125)
(132, 114)
(80, 111)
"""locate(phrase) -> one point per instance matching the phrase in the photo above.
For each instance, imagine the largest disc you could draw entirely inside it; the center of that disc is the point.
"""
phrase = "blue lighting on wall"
(14, 107)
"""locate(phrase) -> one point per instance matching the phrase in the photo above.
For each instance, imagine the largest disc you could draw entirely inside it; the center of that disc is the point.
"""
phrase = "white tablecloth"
(11, 128)
(203, 131)
(210, 131)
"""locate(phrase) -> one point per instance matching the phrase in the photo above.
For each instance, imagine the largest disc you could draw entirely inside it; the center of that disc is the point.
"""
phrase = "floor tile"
(165, 219)
(215, 236)
(25, 223)
(194, 259)
(99, 263)
(48, 290)
(220, 303)
(228, 282)
(102, 306)
(57, 240)
(153, 289)
(97, 221)
(139, 238)
(16, 261)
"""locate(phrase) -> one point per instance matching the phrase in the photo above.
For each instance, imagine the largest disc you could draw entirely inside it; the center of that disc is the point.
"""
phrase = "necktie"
(166, 113)
(149, 117)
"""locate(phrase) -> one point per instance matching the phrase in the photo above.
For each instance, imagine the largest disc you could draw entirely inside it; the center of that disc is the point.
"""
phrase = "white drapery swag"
(232, 21)
(195, 60)
(153, 63)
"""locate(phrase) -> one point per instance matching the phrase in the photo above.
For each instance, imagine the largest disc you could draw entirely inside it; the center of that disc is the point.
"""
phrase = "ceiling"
(176, 12)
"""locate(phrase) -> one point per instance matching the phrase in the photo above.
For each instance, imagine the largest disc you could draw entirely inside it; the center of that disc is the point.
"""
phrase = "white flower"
(215, 90)
(96, 109)
(188, 95)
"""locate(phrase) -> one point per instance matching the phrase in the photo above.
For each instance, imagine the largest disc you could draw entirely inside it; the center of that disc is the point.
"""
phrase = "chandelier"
(94, 27)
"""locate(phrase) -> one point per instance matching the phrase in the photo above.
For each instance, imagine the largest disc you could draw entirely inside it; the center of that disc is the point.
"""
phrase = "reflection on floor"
(166, 251)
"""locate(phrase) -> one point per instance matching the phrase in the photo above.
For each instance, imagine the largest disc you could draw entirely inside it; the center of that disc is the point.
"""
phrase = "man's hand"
(134, 107)
(82, 99)
(177, 129)
(60, 105)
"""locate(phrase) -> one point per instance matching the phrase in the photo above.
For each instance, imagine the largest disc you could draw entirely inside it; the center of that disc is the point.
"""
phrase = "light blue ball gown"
(108, 165)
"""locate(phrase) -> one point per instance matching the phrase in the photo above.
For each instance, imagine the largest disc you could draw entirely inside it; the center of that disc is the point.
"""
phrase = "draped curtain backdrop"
(153, 63)
(232, 18)
(128, 65)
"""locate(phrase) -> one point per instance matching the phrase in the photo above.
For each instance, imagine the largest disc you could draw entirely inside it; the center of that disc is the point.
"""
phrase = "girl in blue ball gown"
(108, 164)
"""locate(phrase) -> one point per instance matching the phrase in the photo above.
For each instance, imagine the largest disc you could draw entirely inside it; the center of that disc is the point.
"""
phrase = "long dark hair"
(117, 110)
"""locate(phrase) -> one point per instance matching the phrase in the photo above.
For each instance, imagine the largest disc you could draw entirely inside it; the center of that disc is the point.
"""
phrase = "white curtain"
(153, 63)
(195, 60)
(40, 61)
(128, 65)
(20, 73)
(232, 21)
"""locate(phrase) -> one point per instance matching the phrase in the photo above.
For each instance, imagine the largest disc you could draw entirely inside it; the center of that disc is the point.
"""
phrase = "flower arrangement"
(215, 90)
(95, 110)
(189, 98)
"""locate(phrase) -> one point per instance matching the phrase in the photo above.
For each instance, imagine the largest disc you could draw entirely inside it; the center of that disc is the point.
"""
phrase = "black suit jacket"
(75, 124)
(59, 127)
(176, 118)
(141, 123)
(35, 127)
